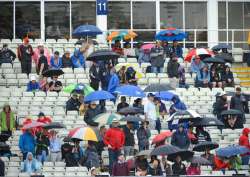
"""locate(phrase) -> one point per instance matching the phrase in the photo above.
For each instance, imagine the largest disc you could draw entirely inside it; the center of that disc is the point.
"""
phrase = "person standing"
(172, 70)
(113, 82)
(42, 63)
(37, 55)
(56, 61)
(7, 120)
(157, 58)
(143, 135)
(104, 74)
(91, 112)
(244, 141)
(150, 111)
(25, 52)
(55, 147)
(27, 143)
(94, 76)
(121, 167)
(129, 139)
(114, 138)
(178, 167)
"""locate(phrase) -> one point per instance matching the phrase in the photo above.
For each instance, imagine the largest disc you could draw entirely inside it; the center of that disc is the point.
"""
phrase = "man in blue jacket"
(180, 138)
(78, 59)
(113, 82)
(27, 143)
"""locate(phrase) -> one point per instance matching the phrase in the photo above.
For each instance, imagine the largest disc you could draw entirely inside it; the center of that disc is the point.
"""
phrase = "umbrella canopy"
(86, 30)
(202, 52)
(132, 119)
(144, 153)
(54, 125)
(106, 118)
(158, 88)
(161, 137)
(84, 89)
(147, 46)
(4, 146)
(203, 146)
(183, 114)
(101, 55)
(119, 35)
(199, 160)
(130, 90)
(4, 137)
(165, 95)
(221, 46)
(206, 122)
(98, 95)
(138, 75)
(214, 60)
(231, 150)
(33, 124)
(231, 112)
(184, 154)
(130, 111)
(83, 133)
(165, 150)
(171, 34)
(225, 56)
(52, 72)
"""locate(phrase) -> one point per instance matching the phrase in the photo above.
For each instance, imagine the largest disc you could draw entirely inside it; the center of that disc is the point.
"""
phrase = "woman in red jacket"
(220, 164)
(244, 141)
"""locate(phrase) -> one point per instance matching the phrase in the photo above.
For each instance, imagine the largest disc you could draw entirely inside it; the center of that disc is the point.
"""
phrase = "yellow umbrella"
(130, 35)
(83, 133)
(138, 75)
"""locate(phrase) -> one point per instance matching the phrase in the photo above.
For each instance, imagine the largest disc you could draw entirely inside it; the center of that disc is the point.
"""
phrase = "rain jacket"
(172, 69)
(91, 158)
(178, 51)
(113, 83)
(143, 136)
(179, 105)
(115, 138)
(244, 141)
(219, 164)
(32, 86)
(72, 104)
(30, 166)
(240, 103)
(157, 57)
(78, 59)
(90, 114)
(180, 139)
(56, 65)
(4, 121)
(27, 142)
(195, 68)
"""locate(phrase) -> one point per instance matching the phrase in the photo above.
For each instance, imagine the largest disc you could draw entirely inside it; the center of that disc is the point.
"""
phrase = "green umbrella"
(82, 88)
(106, 118)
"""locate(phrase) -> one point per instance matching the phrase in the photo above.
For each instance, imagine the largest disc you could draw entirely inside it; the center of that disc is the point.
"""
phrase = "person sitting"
(33, 85)
(227, 77)
(56, 61)
(77, 59)
(141, 170)
(122, 75)
(55, 85)
(73, 103)
(235, 163)
(202, 135)
(155, 168)
(220, 163)
(122, 104)
(180, 138)
(6, 55)
(167, 166)
(138, 103)
(128, 51)
(90, 156)
(77, 153)
(30, 165)
(7, 120)
(177, 49)
(66, 60)
(121, 167)
(194, 169)
(203, 77)
(131, 76)
(215, 78)
(178, 167)
(117, 48)
(44, 85)
(196, 64)
(91, 112)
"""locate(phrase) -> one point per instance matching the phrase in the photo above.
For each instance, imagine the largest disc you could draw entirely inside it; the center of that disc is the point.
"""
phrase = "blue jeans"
(42, 157)
(113, 157)
(157, 69)
(245, 159)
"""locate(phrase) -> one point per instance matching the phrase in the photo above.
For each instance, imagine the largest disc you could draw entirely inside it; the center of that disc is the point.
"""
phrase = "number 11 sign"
(101, 7)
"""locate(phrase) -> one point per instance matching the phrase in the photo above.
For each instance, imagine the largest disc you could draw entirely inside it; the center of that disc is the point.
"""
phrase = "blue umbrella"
(165, 95)
(86, 30)
(98, 95)
(170, 35)
(130, 90)
(232, 150)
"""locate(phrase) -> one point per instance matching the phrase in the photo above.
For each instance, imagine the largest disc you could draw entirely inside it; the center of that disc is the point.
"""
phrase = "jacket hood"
(29, 153)
(246, 131)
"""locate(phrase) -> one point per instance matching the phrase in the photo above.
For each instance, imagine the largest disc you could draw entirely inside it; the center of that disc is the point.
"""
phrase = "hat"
(41, 114)
(151, 95)
(228, 65)
(67, 51)
(6, 104)
(93, 168)
(32, 78)
(115, 120)
(222, 93)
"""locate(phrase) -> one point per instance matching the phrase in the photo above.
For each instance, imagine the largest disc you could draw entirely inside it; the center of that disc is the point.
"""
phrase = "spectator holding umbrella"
(220, 105)
(56, 61)
(94, 76)
(180, 138)
(178, 167)
(7, 120)
(220, 163)
(114, 138)
(244, 141)
(143, 135)
(202, 135)
(157, 58)
(104, 74)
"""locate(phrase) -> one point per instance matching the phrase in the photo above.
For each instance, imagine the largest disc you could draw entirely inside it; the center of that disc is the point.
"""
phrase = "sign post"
(101, 19)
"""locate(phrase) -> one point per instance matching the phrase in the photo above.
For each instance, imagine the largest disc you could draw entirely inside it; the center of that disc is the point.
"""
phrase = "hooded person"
(7, 119)
(27, 143)
(30, 164)
(94, 75)
(220, 105)
(244, 141)
(113, 82)
(6, 55)
(178, 105)
(73, 103)
(180, 138)
(131, 76)
(78, 59)
(33, 85)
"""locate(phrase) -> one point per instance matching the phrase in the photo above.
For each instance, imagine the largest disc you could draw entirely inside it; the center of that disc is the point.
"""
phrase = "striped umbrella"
(118, 35)
(202, 52)
(83, 133)
(106, 118)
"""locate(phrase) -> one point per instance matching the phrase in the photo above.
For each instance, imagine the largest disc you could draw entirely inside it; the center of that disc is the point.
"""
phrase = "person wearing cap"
(42, 63)
(56, 61)
(6, 55)
(73, 103)
(227, 77)
(114, 138)
(157, 58)
(150, 111)
(180, 138)
(66, 60)
(33, 85)
(24, 53)
(37, 55)
(7, 120)
(91, 112)
(77, 59)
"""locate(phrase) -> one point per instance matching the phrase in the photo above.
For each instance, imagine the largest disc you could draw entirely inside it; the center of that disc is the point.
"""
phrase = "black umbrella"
(225, 56)
(132, 119)
(206, 122)
(103, 55)
(52, 72)
(130, 111)
(199, 160)
(203, 146)
(54, 125)
(144, 153)
(184, 154)
(67, 139)
(221, 46)
(4, 146)
(214, 60)
(158, 88)
(4, 137)
(231, 112)
(165, 150)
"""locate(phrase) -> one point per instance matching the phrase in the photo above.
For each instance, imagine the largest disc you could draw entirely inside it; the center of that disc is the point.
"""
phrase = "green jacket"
(4, 123)
(235, 163)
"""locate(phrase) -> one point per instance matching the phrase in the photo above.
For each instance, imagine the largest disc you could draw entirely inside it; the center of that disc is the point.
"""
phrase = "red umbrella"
(33, 124)
(147, 46)
(161, 137)
(198, 51)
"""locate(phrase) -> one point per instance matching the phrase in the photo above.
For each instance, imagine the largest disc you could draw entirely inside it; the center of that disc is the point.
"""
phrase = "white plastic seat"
(69, 76)
(79, 70)
(50, 41)
(40, 94)
(150, 75)
(121, 60)
(131, 60)
(67, 70)
(153, 80)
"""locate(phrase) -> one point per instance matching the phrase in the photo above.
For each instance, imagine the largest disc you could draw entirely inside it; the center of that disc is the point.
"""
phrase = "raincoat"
(78, 59)
(3, 119)
(27, 142)
(244, 139)
(113, 83)
(57, 65)
(30, 166)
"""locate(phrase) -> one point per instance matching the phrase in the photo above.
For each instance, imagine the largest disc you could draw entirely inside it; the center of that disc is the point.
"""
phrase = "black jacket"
(227, 75)
(202, 136)
(2, 168)
(172, 69)
(89, 115)
(129, 137)
(93, 74)
(240, 103)
(7, 56)
(122, 105)
(42, 144)
(179, 169)
(72, 105)
(180, 139)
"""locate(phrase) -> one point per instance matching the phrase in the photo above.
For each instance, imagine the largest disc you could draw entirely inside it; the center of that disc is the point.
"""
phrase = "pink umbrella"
(33, 124)
(147, 46)
(36, 55)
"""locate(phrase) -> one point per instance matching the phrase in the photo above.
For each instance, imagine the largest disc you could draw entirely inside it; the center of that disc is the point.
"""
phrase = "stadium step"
(243, 74)
(245, 84)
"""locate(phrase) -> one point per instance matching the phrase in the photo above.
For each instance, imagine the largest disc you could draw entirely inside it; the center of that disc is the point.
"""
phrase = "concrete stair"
(243, 74)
